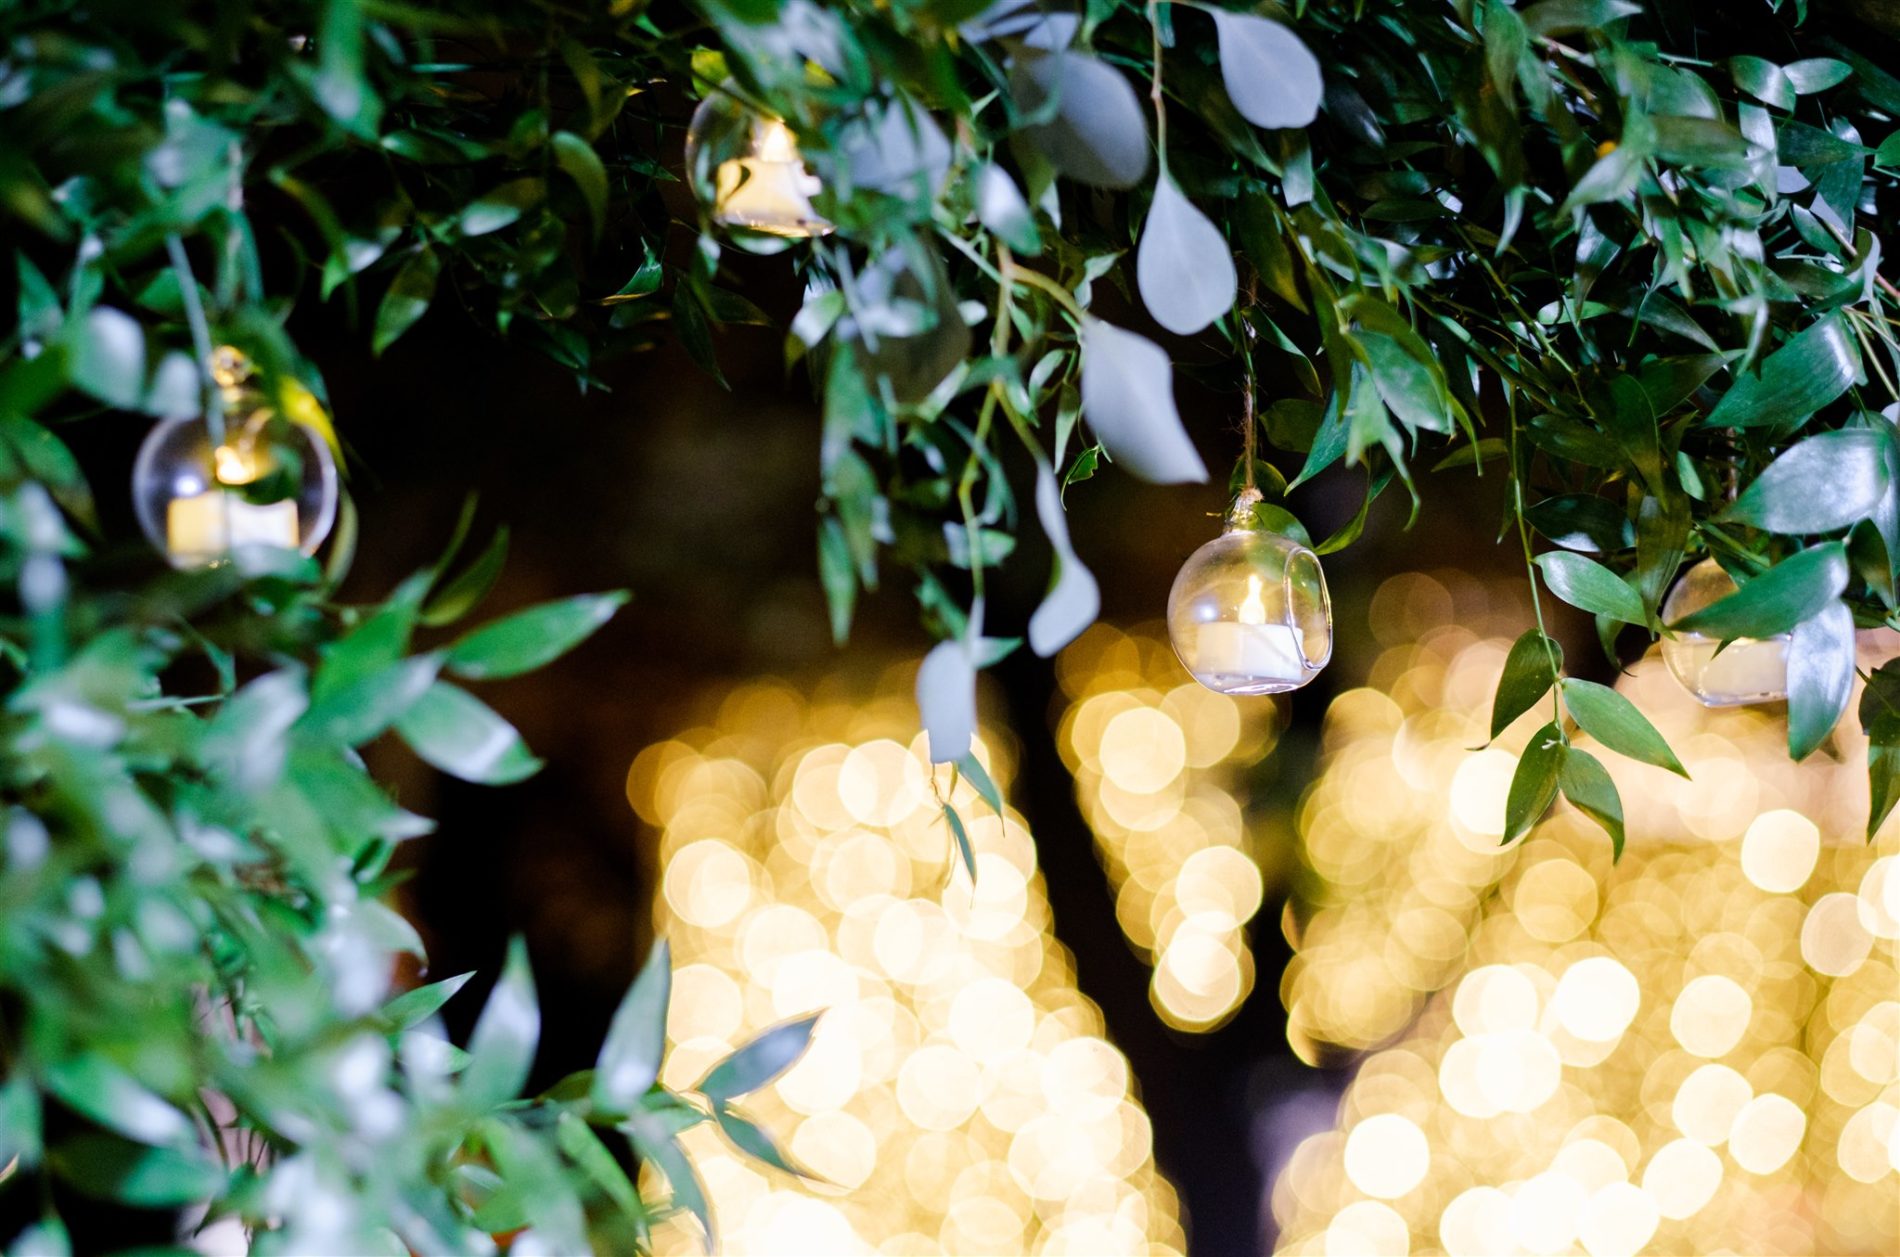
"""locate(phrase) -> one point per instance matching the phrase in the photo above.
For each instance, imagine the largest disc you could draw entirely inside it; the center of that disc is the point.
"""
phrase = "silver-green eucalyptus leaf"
(1185, 267)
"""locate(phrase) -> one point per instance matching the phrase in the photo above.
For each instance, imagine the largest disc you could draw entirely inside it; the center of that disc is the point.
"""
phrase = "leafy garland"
(1628, 258)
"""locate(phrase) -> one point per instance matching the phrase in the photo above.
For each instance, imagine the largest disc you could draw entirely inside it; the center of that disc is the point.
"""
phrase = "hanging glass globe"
(1249, 612)
(268, 482)
(1744, 671)
(746, 169)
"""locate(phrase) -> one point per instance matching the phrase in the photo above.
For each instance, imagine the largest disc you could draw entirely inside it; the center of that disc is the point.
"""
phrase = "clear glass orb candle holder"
(1249, 612)
(269, 482)
(1745, 671)
(745, 167)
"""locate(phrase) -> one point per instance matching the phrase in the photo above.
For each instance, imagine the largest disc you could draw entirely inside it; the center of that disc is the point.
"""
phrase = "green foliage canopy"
(1626, 256)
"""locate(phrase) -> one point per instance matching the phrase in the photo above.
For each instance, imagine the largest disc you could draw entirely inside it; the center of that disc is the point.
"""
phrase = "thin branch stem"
(200, 335)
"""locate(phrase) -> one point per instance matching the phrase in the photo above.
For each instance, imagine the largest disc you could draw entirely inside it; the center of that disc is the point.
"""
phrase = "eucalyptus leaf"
(1128, 399)
(1074, 599)
(1097, 133)
(946, 700)
(1184, 266)
(1273, 80)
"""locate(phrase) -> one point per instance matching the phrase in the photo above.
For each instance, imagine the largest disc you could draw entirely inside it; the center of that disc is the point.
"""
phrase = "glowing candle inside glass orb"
(1743, 671)
(1248, 613)
(1247, 645)
(206, 525)
(769, 189)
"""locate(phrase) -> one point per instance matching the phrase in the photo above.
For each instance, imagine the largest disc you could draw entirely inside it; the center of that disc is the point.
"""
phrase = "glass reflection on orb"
(266, 482)
(1249, 613)
(1745, 671)
(746, 168)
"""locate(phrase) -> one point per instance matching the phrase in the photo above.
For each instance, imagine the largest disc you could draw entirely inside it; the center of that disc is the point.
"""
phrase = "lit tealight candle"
(770, 190)
(207, 527)
(1747, 671)
(1248, 646)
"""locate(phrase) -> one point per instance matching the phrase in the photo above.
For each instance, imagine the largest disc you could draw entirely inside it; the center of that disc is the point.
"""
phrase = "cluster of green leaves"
(196, 948)
(196, 953)
(1629, 253)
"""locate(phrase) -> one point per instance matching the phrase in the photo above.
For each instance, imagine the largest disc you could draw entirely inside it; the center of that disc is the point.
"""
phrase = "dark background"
(700, 500)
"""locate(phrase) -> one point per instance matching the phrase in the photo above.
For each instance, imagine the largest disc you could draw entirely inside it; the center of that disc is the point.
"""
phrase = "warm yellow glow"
(775, 141)
(1695, 1049)
(235, 465)
(1159, 765)
(1387, 1156)
(1252, 609)
(958, 1088)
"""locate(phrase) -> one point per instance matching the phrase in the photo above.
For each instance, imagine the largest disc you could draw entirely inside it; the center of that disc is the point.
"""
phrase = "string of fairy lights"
(960, 1094)
(1695, 1050)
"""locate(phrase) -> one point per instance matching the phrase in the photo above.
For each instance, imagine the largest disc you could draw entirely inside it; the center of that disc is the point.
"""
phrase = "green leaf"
(501, 1047)
(960, 837)
(106, 357)
(408, 298)
(1795, 381)
(528, 639)
(653, 1136)
(1528, 676)
(1764, 80)
(462, 594)
(582, 164)
(462, 736)
(1582, 521)
(1590, 586)
(972, 767)
(584, 1148)
(1880, 721)
(1826, 482)
(760, 1060)
(1408, 386)
(1614, 721)
(838, 574)
(1587, 784)
(751, 1139)
(1816, 74)
(412, 1008)
(629, 1059)
(501, 207)
(1568, 17)
(1820, 676)
(1001, 208)
(106, 1168)
(92, 1085)
(1780, 598)
(1883, 779)
(1534, 784)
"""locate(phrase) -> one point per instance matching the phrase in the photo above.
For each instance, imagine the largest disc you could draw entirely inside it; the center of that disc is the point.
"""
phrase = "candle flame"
(235, 466)
(1252, 610)
(774, 142)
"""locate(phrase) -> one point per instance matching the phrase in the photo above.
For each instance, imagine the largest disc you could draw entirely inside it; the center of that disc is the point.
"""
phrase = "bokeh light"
(1160, 766)
(1693, 1050)
(959, 1095)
